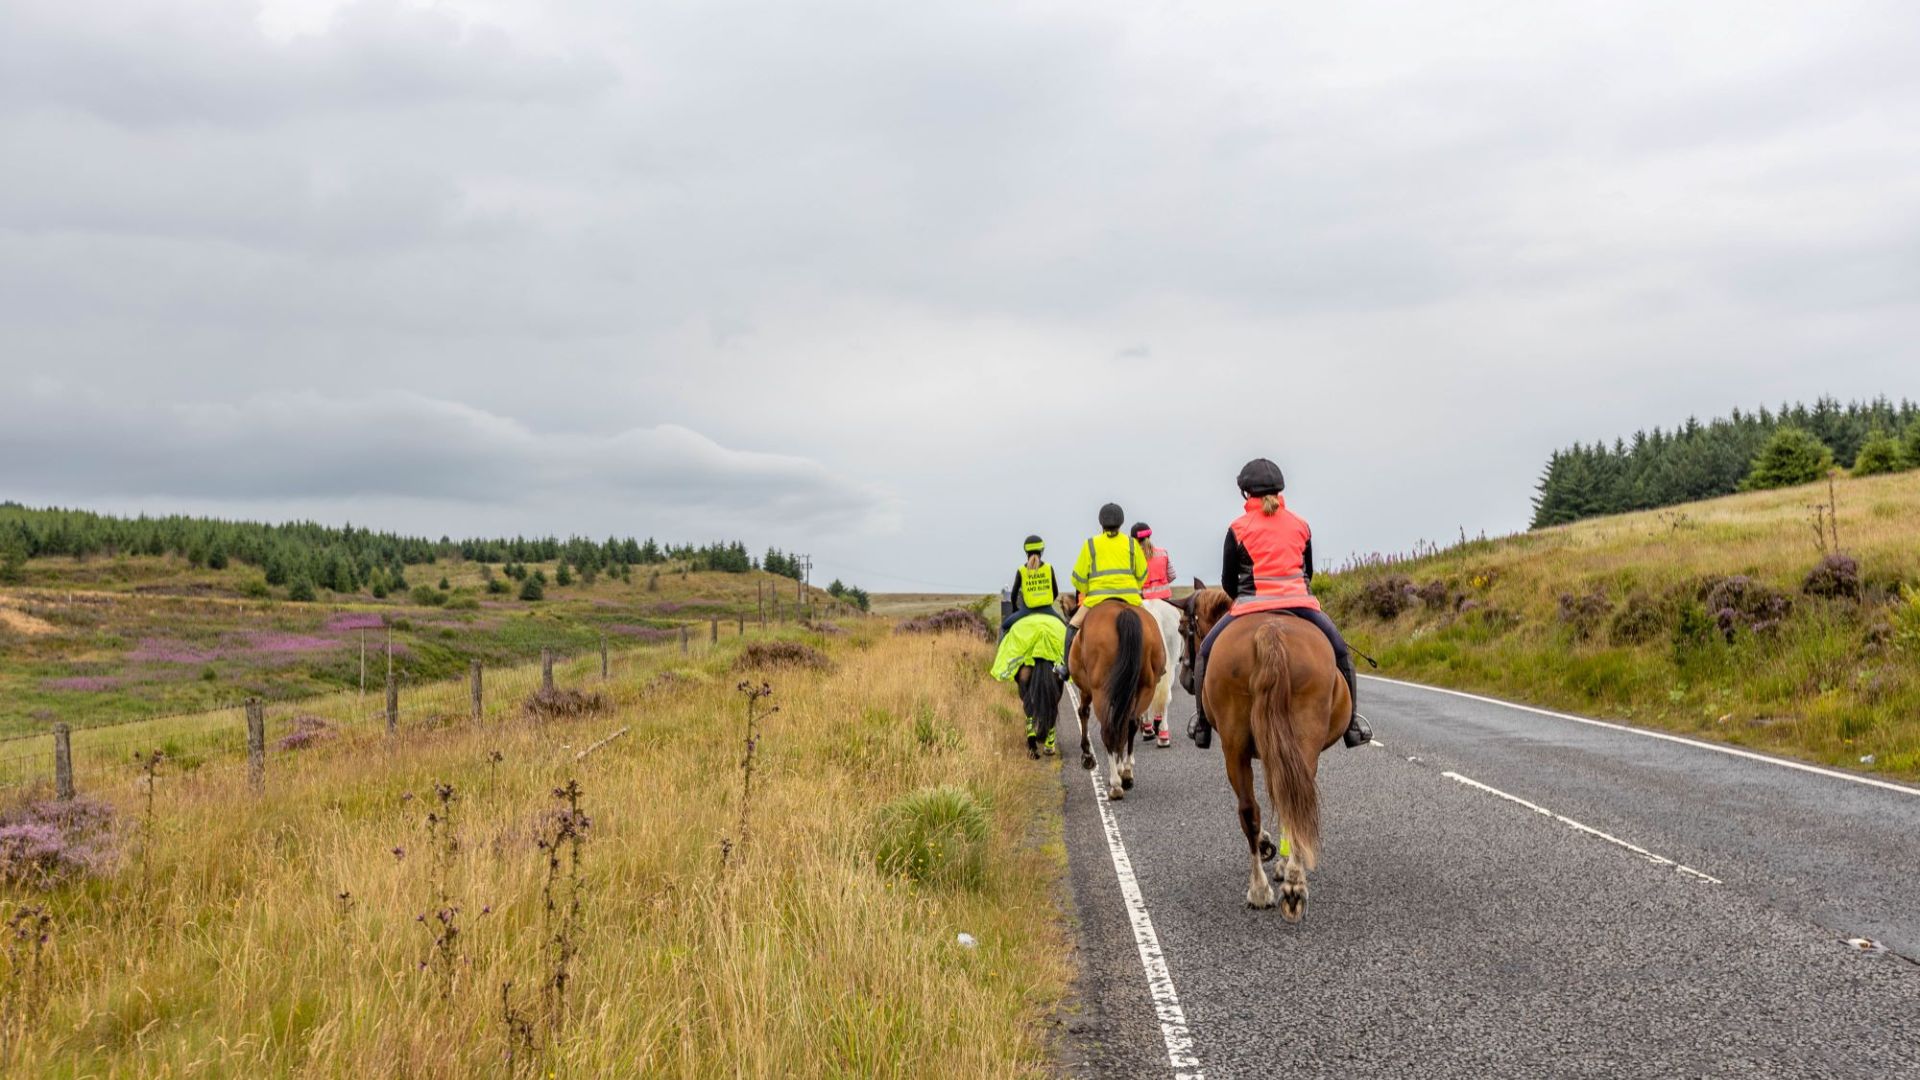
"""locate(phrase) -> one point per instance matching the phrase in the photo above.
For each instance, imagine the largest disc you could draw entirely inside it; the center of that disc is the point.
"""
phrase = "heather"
(1786, 620)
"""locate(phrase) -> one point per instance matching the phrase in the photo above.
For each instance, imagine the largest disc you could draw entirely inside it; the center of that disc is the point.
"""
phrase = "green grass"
(1838, 681)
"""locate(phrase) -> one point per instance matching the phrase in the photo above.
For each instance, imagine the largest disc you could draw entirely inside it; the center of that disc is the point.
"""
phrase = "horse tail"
(1123, 681)
(1041, 696)
(1290, 785)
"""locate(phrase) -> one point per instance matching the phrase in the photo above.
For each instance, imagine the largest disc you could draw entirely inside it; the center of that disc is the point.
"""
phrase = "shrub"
(1905, 619)
(1386, 597)
(531, 589)
(563, 577)
(781, 654)
(952, 620)
(496, 587)
(1436, 595)
(1792, 456)
(562, 704)
(256, 589)
(427, 596)
(1638, 621)
(1741, 603)
(1910, 446)
(1880, 453)
(301, 590)
(45, 842)
(463, 601)
(934, 836)
(1835, 576)
(307, 730)
(1584, 614)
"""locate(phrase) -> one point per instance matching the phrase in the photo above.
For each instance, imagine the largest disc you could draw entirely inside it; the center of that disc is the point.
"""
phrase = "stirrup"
(1359, 733)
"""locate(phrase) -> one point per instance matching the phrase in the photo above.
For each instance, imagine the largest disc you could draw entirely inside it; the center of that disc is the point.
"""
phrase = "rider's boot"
(1200, 731)
(1359, 732)
(1066, 654)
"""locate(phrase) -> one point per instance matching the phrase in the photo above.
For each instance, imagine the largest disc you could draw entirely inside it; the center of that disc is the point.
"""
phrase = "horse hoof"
(1293, 905)
(1126, 782)
(1033, 752)
(1260, 903)
(1086, 761)
(1115, 794)
(1267, 850)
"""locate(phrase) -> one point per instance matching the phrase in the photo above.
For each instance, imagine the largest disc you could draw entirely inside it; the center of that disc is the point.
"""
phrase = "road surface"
(1502, 892)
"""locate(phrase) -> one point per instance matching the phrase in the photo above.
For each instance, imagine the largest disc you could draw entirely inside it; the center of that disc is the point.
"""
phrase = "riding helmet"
(1140, 530)
(1111, 517)
(1261, 477)
(1035, 545)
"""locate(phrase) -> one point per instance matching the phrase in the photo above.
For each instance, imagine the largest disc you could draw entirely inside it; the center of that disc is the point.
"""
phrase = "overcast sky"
(898, 283)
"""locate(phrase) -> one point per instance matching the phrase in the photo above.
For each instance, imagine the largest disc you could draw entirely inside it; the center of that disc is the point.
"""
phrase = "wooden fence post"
(546, 671)
(603, 657)
(393, 703)
(713, 632)
(743, 626)
(474, 666)
(62, 761)
(683, 639)
(256, 744)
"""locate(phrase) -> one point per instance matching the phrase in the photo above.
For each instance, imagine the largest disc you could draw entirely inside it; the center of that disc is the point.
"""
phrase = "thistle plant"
(29, 930)
(149, 763)
(561, 896)
(753, 698)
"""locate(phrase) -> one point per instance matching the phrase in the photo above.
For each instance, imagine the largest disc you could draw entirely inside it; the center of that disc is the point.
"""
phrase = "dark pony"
(1040, 691)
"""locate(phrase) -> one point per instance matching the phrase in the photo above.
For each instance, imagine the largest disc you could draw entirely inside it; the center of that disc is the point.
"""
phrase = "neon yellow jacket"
(1034, 638)
(1110, 567)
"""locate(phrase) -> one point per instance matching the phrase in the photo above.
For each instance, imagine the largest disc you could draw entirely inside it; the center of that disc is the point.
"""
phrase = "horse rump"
(1290, 781)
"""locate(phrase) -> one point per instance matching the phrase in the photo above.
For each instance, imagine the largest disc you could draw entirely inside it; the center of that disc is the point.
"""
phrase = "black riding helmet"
(1140, 528)
(1261, 477)
(1033, 545)
(1111, 517)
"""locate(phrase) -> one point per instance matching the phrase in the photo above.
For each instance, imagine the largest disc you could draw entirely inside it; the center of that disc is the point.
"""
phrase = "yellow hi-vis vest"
(1111, 568)
(1036, 586)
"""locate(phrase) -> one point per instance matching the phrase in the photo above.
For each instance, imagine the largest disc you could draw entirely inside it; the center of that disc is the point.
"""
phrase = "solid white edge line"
(1166, 1001)
(1588, 829)
(1681, 739)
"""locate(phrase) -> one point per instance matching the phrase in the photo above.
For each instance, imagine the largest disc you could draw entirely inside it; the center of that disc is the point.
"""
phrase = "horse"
(1040, 690)
(1273, 693)
(1166, 617)
(1114, 664)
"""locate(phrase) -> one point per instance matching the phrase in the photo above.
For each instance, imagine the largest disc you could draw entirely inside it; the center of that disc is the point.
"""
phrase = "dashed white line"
(1588, 829)
(1717, 748)
(1166, 1001)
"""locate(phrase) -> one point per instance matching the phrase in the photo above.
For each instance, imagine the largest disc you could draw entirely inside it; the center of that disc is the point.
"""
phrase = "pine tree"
(562, 577)
(1910, 445)
(1792, 456)
(531, 589)
(1879, 453)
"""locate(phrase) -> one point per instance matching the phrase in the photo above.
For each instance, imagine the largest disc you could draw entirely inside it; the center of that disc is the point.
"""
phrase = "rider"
(1268, 566)
(1159, 584)
(1110, 567)
(1034, 585)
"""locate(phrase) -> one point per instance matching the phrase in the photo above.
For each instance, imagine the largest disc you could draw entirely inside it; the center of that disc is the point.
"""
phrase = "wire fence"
(100, 755)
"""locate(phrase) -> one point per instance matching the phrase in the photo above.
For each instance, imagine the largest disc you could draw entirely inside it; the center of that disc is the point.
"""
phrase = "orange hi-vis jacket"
(1159, 584)
(1277, 544)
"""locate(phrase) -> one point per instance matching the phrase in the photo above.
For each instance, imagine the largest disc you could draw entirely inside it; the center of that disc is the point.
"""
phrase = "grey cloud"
(299, 446)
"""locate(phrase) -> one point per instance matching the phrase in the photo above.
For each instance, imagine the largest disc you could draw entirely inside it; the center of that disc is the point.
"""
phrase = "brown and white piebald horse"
(1272, 693)
(1115, 661)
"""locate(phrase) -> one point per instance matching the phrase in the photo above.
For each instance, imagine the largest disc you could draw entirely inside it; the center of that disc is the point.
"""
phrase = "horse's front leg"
(1240, 775)
(1293, 888)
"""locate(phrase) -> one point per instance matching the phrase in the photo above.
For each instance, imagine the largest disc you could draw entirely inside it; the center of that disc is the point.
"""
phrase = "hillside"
(1707, 618)
(109, 639)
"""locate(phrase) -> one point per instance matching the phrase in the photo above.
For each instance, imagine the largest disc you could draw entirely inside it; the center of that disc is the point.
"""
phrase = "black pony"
(1040, 690)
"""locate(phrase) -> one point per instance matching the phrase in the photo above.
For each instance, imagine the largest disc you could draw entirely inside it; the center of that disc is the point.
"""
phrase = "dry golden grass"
(1834, 683)
(281, 935)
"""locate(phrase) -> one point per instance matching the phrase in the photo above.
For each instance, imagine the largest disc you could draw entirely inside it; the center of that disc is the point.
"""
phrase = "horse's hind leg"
(1293, 889)
(1086, 752)
(1259, 846)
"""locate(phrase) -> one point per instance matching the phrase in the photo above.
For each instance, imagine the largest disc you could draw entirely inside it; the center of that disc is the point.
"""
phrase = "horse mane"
(1210, 606)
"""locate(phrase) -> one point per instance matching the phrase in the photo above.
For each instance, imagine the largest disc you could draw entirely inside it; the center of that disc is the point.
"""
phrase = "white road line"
(1715, 747)
(1588, 829)
(1166, 1002)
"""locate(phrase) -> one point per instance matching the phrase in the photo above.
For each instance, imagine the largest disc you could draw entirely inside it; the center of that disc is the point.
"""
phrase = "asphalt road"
(1453, 931)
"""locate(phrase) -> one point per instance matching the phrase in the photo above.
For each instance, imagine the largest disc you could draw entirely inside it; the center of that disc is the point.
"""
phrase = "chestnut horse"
(1114, 664)
(1272, 693)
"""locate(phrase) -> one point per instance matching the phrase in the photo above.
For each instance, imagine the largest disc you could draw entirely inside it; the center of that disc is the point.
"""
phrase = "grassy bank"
(1708, 619)
(305, 930)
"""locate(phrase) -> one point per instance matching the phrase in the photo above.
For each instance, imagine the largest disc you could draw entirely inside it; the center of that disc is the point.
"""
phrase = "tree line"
(1741, 451)
(343, 559)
